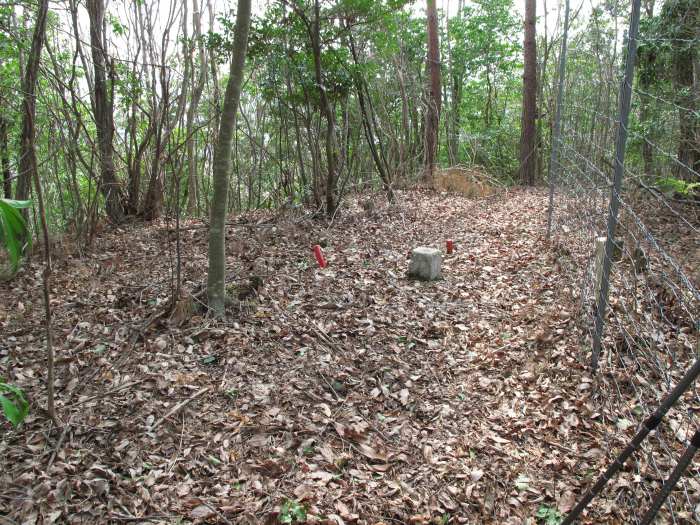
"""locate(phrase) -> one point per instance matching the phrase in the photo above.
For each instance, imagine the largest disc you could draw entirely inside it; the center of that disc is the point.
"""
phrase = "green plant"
(549, 515)
(14, 405)
(678, 186)
(292, 512)
(13, 230)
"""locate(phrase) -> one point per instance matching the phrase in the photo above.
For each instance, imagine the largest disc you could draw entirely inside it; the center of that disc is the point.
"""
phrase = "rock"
(425, 263)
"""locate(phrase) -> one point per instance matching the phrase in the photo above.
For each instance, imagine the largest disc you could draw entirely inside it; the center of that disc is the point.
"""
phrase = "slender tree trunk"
(369, 125)
(456, 116)
(328, 113)
(5, 158)
(696, 95)
(647, 60)
(216, 96)
(434, 102)
(528, 153)
(29, 172)
(405, 140)
(104, 112)
(298, 144)
(457, 83)
(683, 83)
(216, 291)
(27, 156)
(153, 201)
(192, 197)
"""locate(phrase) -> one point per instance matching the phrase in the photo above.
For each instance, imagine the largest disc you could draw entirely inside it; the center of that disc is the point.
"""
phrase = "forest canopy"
(129, 94)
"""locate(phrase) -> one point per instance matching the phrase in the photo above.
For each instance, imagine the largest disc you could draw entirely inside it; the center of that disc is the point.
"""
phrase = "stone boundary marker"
(425, 263)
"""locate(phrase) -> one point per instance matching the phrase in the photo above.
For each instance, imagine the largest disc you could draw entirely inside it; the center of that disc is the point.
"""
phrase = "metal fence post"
(613, 212)
(649, 425)
(556, 137)
(682, 465)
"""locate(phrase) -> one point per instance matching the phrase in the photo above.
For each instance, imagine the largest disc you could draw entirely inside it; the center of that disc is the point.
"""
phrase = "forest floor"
(348, 394)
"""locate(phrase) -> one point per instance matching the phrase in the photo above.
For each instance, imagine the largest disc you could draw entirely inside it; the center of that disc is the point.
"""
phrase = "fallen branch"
(58, 445)
(219, 514)
(108, 392)
(179, 407)
(205, 225)
(152, 517)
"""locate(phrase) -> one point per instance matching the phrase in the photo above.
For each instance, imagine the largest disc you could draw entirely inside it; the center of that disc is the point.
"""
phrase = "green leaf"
(13, 229)
(209, 360)
(550, 515)
(15, 409)
(292, 512)
(18, 204)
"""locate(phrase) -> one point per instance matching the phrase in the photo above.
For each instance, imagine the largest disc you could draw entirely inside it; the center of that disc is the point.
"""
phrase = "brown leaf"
(201, 512)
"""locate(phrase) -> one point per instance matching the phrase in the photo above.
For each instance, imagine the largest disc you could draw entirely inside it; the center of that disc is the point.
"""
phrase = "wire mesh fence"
(650, 303)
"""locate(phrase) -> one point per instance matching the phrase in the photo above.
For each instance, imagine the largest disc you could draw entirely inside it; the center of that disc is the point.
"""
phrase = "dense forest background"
(128, 99)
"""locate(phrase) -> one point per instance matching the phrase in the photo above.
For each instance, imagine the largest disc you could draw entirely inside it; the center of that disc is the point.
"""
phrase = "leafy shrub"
(14, 234)
(679, 186)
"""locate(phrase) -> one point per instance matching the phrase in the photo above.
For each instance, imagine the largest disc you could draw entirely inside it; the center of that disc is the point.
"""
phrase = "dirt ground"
(349, 394)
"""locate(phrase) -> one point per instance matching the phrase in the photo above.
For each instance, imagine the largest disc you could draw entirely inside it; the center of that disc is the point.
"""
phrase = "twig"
(179, 407)
(221, 516)
(109, 392)
(204, 226)
(340, 399)
(58, 445)
(121, 517)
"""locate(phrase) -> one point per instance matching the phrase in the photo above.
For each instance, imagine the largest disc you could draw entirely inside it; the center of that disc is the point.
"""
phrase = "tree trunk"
(5, 159)
(153, 201)
(214, 70)
(696, 94)
(29, 173)
(405, 140)
(192, 198)
(328, 113)
(683, 83)
(456, 116)
(456, 77)
(104, 112)
(27, 155)
(432, 115)
(528, 160)
(216, 292)
(681, 19)
(646, 75)
(369, 124)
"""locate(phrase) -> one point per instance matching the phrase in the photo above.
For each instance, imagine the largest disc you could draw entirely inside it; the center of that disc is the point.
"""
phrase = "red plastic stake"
(450, 246)
(319, 256)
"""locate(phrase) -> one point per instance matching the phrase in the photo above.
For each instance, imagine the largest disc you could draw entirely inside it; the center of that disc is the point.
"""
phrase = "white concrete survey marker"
(425, 263)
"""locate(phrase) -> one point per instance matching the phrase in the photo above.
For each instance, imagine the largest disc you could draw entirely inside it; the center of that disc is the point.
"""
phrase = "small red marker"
(450, 245)
(319, 256)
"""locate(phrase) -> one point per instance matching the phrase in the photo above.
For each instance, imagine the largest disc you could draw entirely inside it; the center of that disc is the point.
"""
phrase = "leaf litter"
(349, 392)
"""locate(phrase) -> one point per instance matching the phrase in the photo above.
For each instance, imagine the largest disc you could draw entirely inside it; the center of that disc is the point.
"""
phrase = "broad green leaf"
(13, 229)
(16, 409)
(18, 204)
